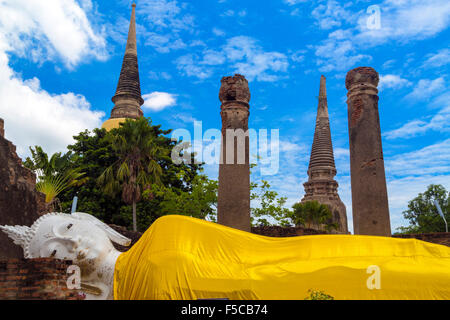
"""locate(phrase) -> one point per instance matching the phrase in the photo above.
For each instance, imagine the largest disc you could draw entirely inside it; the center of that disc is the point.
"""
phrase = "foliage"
(137, 167)
(318, 295)
(95, 153)
(44, 166)
(53, 185)
(270, 206)
(312, 214)
(54, 175)
(200, 202)
(422, 213)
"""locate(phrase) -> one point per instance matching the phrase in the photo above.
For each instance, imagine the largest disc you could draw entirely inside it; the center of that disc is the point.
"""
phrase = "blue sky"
(60, 61)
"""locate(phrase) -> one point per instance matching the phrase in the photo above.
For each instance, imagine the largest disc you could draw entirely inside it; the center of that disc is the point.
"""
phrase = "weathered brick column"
(369, 193)
(233, 208)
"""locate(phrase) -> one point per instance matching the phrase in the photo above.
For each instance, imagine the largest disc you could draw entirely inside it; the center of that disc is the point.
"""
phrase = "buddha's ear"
(113, 235)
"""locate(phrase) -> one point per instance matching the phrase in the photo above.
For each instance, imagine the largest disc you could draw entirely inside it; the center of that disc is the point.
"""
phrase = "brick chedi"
(369, 193)
(128, 99)
(233, 208)
(321, 185)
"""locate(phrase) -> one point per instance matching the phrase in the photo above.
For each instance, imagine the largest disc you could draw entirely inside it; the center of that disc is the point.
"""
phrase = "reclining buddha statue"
(181, 257)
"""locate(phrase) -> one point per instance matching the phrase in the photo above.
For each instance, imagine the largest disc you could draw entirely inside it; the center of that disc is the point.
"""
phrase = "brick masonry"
(442, 238)
(35, 279)
(20, 204)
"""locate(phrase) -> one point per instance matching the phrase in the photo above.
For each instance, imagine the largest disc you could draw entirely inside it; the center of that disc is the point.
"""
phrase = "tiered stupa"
(321, 185)
(128, 99)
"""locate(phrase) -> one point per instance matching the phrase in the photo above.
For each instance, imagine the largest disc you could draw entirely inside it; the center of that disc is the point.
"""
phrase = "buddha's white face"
(79, 237)
(68, 238)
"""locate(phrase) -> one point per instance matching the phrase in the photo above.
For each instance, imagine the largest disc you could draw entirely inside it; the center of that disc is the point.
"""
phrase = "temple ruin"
(128, 99)
(369, 192)
(321, 185)
(233, 207)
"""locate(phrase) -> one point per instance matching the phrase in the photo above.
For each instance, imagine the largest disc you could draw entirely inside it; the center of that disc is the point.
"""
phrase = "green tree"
(93, 152)
(268, 206)
(54, 175)
(44, 166)
(312, 214)
(200, 202)
(422, 213)
(137, 166)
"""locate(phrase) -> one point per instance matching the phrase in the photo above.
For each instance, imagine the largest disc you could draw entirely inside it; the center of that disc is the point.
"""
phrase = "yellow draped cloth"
(186, 258)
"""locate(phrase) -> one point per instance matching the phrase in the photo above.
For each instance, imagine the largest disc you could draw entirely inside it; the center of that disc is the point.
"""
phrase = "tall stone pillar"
(369, 193)
(233, 208)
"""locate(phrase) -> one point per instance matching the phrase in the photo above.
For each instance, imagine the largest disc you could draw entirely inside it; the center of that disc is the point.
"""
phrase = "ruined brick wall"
(20, 204)
(442, 238)
(35, 279)
(276, 231)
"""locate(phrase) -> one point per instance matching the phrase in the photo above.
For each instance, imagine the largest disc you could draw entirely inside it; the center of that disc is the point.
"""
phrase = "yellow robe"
(186, 258)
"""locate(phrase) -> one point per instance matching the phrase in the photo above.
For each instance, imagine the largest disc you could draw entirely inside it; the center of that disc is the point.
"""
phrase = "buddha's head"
(79, 237)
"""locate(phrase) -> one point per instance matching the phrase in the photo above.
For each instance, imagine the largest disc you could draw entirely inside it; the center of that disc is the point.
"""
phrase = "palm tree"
(53, 175)
(53, 185)
(136, 146)
(312, 214)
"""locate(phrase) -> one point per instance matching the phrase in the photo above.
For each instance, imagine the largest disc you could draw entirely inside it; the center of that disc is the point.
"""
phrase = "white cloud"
(293, 2)
(41, 30)
(439, 59)
(189, 66)
(157, 101)
(330, 15)
(388, 64)
(403, 190)
(410, 173)
(338, 52)
(439, 122)
(218, 32)
(392, 81)
(163, 22)
(243, 54)
(250, 60)
(184, 118)
(159, 75)
(432, 159)
(165, 14)
(212, 58)
(164, 43)
(35, 117)
(401, 22)
(407, 20)
(426, 88)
